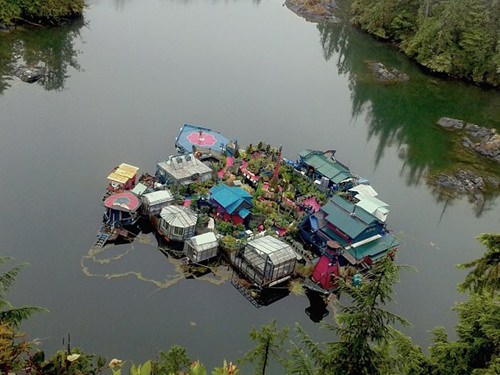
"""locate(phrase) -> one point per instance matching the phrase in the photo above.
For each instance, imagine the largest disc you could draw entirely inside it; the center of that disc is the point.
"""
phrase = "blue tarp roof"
(192, 135)
(230, 197)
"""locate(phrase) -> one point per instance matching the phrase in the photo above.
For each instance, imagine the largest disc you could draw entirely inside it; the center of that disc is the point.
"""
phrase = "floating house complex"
(232, 203)
(121, 209)
(122, 177)
(183, 170)
(205, 142)
(177, 223)
(344, 222)
(326, 172)
(155, 201)
(266, 261)
(202, 247)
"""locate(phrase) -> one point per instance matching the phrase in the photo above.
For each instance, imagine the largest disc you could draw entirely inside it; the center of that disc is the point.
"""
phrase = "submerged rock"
(30, 74)
(461, 182)
(481, 140)
(450, 123)
(387, 75)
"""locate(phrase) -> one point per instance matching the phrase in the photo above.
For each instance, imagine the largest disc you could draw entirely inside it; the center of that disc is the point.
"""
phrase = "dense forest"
(364, 341)
(460, 38)
(13, 12)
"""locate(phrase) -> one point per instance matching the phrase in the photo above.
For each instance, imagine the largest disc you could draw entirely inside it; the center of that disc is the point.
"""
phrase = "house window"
(178, 231)
(165, 225)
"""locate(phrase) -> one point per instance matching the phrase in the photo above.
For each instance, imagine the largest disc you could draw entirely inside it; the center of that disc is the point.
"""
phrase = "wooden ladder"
(102, 238)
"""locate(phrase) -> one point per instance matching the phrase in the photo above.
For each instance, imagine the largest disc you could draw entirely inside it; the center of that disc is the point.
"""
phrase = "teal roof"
(304, 153)
(376, 248)
(347, 217)
(334, 236)
(326, 166)
(359, 212)
(230, 197)
(345, 204)
(244, 213)
(346, 223)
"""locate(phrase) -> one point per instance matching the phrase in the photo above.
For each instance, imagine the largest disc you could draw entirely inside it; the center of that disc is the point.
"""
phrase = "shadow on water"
(404, 114)
(318, 306)
(50, 49)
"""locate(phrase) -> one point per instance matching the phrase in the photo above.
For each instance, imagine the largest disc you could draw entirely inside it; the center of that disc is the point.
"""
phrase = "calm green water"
(120, 87)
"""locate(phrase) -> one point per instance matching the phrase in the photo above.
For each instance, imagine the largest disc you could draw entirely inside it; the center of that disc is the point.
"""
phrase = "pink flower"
(201, 139)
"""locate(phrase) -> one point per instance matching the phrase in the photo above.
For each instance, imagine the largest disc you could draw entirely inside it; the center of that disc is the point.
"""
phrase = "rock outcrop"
(483, 141)
(31, 74)
(387, 75)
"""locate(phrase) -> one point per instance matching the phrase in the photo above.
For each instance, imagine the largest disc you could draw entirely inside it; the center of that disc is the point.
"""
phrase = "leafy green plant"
(8, 313)
(141, 369)
(174, 361)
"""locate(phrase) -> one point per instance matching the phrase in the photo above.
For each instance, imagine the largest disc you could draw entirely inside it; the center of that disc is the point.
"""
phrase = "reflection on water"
(114, 262)
(49, 48)
(404, 114)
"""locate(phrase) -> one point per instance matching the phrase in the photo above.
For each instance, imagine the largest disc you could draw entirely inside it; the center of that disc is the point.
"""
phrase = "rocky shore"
(483, 145)
(483, 141)
(313, 10)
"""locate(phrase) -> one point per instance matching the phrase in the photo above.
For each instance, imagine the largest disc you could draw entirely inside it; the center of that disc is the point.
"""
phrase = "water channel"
(122, 83)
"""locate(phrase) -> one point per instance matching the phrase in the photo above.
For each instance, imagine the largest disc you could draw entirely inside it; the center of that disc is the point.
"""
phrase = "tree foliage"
(457, 37)
(485, 273)
(363, 328)
(269, 345)
(9, 314)
(40, 11)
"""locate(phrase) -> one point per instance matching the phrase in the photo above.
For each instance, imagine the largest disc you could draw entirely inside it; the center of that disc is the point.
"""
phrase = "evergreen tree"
(477, 348)
(174, 361)
(269, 346)
(485, 273)
(9, 314)
(363, 328)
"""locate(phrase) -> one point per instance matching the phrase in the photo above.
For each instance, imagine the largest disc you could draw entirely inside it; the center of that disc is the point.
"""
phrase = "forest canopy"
(14, 12)
(460, 38)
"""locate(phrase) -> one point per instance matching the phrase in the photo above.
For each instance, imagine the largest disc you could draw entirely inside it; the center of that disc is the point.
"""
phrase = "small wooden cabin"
(266, 261)
(183, 170)
(202, 247)
(121, 209)
(122, 178)
(154, 202)
(177, 223)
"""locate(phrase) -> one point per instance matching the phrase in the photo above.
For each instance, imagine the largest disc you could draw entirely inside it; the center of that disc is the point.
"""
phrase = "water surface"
(123, 84)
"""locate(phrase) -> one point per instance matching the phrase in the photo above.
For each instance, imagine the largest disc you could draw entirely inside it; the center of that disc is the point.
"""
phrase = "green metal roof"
(339, 201)
(347, 217)
(304, 153)
(325, 165)
(359, 212)
(376, 248)
(334, 236)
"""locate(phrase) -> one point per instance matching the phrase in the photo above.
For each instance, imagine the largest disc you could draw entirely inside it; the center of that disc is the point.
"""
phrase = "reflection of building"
(177, 223)
(183, 170)
(201, 247)
(122, 177)
(232, 202)
(325, 170)
(266, 261)
(121, 209)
